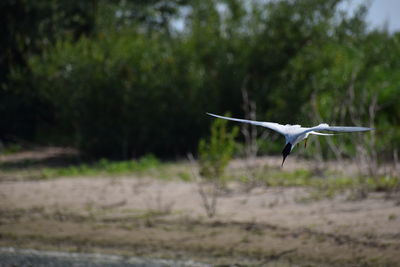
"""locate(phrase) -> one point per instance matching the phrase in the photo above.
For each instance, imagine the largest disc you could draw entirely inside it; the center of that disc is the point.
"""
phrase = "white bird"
(295, 133)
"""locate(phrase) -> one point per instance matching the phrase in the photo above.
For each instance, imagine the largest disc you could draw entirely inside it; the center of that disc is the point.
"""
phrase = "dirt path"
(143, 216)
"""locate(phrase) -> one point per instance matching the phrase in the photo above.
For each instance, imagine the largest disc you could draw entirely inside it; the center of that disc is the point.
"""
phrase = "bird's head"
(286, 151)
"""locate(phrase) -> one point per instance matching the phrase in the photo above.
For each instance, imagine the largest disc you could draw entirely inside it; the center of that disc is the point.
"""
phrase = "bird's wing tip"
(368, 129)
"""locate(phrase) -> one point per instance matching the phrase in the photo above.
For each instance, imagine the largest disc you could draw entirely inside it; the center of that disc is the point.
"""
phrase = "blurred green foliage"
(118, 79)
(28, 28)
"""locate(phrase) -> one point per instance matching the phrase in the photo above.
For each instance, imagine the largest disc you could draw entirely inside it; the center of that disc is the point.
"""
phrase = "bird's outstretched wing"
(270, 125)
(326, 127)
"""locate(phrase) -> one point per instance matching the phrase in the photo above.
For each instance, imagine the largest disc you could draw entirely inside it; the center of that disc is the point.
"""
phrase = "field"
(150, 209)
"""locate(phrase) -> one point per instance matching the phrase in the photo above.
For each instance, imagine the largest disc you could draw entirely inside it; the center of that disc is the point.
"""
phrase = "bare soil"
(147, 217)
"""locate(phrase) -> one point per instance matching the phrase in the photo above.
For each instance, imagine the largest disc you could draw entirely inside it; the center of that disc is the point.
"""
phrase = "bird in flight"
(295, 133)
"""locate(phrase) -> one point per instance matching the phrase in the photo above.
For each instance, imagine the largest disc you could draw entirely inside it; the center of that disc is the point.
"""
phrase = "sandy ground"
(280, 206)
(373, 222)
(167, 217)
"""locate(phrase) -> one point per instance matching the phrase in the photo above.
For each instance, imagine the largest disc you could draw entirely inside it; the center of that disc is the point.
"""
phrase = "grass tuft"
(10, 149)
(104, 166)
(327, 186)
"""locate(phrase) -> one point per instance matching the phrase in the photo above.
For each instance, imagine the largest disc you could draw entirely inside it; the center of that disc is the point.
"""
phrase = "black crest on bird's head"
(286, 151)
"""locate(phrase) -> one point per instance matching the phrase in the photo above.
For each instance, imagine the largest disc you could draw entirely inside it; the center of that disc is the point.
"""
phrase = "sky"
(380, 12)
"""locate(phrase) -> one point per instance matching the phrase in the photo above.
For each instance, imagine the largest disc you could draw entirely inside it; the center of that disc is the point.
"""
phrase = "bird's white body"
(296, 133)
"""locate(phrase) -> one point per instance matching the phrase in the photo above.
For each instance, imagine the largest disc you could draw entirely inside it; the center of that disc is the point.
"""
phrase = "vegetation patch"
(104, 166)
(325, 186)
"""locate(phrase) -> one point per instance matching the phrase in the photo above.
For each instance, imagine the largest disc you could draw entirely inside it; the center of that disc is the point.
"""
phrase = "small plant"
(157, 205)
(214, 156)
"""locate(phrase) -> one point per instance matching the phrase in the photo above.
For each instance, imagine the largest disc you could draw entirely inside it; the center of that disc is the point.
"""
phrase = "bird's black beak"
(283, 161)
(286, 151)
